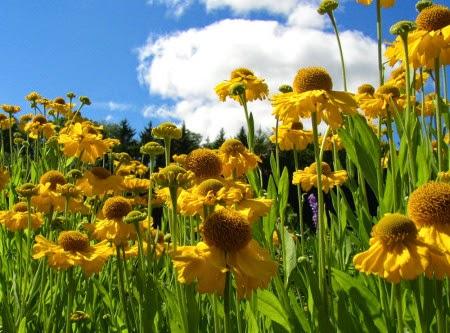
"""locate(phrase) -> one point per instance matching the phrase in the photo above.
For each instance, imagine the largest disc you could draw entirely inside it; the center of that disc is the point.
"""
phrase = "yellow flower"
(307, 178)
(112, 227)
(132, 167)
(385, 99)
(329, 141)
(38, 127)
(228, 246)
(208, 193)
(291, 136)
(136, 185)
(59, 106)
(49, 199)
(429, 41)
(194, 201)
(236, 158)
(10, 109)
(313, 94)
(73, 249)
(84, 141)
(429, 208)
(255, 88)
(6, 122)
(383, 3)
(33, 96)
(397, 253)
(254, 209)
(17, 218)
(99, 181)
(429, 105)
(4, 178)
(398, 79)
(204, 163)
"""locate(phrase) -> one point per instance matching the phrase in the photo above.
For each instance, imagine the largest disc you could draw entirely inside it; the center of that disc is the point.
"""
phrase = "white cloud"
(238, 7)
(176, 7)
(113, 106)
(109, 117)
(186, 66)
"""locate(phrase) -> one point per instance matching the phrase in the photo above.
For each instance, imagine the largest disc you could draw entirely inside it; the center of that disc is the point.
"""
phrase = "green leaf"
(366, 302)
(271, 218)
(269, 306)
(291, 254)
(283, 190)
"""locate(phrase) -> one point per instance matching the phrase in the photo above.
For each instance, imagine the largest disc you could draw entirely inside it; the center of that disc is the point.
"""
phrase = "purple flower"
(313, 204)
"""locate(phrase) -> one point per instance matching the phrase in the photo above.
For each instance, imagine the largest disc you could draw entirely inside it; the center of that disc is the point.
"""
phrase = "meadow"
(96, 239)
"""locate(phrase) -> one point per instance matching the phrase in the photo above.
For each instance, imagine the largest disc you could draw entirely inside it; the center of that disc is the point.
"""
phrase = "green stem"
(408, 112)
(226, 303)
(341, 53)
(277, 148)
(437, 89)
(321, 222)
(300, 207)
(392, 152)
(440, 313)
(250, 130)
(10, 142)
(70, 294)
(380, 41)
(167, 143)
(122, 288)
(399, 307)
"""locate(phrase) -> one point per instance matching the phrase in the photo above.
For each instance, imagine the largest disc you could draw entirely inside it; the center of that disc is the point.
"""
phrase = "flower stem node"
(366, 89)
(85, 100)
(327, 7)
(152, 149)
(402, 28)
(27, 190)
(167, 130)
(237, 89)
(285, 88)
(173, 176)
(422, 4)
(134, 216)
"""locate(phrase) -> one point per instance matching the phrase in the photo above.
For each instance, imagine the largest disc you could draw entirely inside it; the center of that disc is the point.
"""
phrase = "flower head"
(307, 178)
(99, 181)
(204, 163)
(312, 93)
(228, 246)
(236, 158)
(167, 130)
(291, 136)
(85, 141)
(397, 253)
(250, 86)
(73, 249)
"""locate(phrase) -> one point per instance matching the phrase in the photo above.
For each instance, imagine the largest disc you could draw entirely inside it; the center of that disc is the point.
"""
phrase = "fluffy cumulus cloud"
(185, 66)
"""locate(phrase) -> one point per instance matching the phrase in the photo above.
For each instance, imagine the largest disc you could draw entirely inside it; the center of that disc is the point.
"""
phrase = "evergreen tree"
(242, 135)
(219, 139)
(146, 134)
(188, 142)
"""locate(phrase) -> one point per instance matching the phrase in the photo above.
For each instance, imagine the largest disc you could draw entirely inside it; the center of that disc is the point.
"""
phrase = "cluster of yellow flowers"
(402, 247)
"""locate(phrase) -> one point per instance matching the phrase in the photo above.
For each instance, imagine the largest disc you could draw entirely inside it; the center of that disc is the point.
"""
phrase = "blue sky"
(91, 47)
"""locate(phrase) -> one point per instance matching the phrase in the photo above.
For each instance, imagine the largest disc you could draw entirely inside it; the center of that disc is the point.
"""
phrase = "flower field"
(95, 239)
